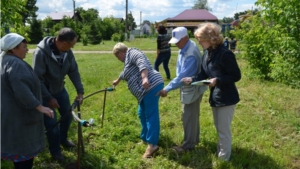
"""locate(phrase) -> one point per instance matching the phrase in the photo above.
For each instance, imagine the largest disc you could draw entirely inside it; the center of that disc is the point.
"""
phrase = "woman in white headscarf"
(22, 125)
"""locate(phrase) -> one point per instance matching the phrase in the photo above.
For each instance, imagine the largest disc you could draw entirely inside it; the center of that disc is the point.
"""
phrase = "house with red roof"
(190, 18)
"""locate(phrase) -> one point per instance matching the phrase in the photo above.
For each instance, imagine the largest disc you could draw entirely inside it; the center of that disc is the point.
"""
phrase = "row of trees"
(17, 14)
(90, 30)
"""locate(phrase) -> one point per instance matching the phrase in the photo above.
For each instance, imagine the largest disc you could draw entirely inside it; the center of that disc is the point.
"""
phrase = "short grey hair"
(66, 35)
(119, 47)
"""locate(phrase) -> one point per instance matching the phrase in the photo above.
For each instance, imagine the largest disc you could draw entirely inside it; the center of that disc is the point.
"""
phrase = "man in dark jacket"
(232, 45)
(52, 61)
(226, 43)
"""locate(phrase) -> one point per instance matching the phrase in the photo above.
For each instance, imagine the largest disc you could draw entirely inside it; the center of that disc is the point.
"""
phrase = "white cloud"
(152, 10)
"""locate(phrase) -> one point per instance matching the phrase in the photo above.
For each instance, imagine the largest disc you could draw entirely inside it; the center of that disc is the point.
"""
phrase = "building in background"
(146, 28)
(58, 16)
(190, 18)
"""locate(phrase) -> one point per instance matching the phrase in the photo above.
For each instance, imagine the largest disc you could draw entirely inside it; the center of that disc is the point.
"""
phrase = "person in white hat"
(188, 64)
(22, 125)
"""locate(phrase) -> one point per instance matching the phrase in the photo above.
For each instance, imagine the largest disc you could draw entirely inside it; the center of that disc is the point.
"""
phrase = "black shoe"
(68, 144)
(58, 157)
(180, 149)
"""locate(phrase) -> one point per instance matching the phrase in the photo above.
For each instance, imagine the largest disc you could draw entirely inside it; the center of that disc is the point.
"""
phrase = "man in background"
(232, 45)
(226, 43)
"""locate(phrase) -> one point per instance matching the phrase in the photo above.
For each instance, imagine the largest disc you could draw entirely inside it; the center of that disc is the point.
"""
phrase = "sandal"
(150, 151)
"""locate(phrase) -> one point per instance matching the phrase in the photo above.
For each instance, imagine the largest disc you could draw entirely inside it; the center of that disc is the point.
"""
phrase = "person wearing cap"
(163, 54)
(22, 126)
(220, 66)
(53, 59)
(188, 64)
(143, 82)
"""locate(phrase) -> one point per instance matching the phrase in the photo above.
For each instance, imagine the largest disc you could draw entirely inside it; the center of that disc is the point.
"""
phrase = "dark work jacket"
(220, 63)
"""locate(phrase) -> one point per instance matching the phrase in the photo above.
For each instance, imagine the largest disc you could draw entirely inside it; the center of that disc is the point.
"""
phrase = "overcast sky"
(152, 10)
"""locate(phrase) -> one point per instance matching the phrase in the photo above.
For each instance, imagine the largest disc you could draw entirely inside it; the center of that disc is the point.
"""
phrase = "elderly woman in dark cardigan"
(22, 125)
(220, 67)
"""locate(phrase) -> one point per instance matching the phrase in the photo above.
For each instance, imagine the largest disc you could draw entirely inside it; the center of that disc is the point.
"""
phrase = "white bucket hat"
(9, 42)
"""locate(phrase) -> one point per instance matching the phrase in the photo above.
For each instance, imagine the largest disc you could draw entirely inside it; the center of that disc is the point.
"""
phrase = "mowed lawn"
(265, 128)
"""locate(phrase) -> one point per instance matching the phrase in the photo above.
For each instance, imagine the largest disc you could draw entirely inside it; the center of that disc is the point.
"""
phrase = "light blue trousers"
(148, 112)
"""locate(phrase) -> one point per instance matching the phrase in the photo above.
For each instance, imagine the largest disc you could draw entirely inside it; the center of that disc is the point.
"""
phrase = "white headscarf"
(9, 42)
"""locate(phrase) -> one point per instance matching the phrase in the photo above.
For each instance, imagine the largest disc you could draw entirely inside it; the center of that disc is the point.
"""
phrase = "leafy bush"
(116, 37)
(122, 36)
(271, 41)
(84, 40)
(191, 34)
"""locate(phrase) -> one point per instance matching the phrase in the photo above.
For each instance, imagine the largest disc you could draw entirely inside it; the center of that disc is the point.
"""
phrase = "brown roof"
(194, 14)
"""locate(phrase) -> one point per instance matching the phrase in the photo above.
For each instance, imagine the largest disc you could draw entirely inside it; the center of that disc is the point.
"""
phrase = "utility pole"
(140, 22)
(126, 18)
(75, 18)
(74, 7)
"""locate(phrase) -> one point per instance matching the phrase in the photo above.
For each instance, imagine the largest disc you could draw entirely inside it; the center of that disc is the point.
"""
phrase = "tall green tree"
(35, 32)
(236, 15)
(227, 20)
(108, 26)
(95, 36)
(248, 12)
(201, 4)
(47, 25)
(88, 16)
(29, 10)
(131, 25)
(10, 15)
(111, 25)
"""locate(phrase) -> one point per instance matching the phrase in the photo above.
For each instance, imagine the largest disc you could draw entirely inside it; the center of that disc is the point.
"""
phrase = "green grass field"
(265, 128)
(141, 43)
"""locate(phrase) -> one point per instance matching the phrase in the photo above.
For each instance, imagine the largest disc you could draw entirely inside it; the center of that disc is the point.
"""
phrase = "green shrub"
(116, 37)
(122, 36)
(191, 34)
(84, 40)
(271, 40)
